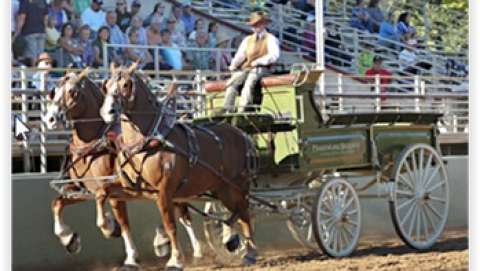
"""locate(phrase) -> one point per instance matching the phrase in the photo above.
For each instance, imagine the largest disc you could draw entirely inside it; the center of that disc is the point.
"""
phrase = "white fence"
(339, 94)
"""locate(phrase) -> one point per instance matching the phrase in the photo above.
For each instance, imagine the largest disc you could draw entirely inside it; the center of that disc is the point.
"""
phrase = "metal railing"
(340, 94)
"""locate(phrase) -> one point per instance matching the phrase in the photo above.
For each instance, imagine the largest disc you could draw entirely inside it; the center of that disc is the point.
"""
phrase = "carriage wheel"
(300, 224)
(419, 201)
(214, 231)
(336, 218)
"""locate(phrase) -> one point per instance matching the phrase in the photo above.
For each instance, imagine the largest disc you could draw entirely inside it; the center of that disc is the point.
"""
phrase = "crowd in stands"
(73, 33)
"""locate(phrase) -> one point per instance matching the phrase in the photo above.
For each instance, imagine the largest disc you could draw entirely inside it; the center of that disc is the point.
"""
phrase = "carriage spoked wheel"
(300, 224)
(336, 218)
(217, 233)
(420, 198)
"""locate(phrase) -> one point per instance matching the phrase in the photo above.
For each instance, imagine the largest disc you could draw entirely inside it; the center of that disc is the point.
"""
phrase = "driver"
(256, 51)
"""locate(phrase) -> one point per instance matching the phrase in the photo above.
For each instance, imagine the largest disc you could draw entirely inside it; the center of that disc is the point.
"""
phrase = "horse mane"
(94, 89)
(141, 84)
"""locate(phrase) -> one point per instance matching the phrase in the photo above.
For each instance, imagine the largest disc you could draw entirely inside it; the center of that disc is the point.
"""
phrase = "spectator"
(44, 62)
(212, 34)
(200, 60)
(404, 29)
(199, 27)
(142, 33)
(15, 9)
(103, 37)
(388, 33)
(94, 16)
(177, 37)
(309, 42)
(88, 55)
(52, 35)
(408, 60)
(157, 16)
(360, 18)
(385, 75)
(303, 5)
(334, 48)
(375, 14)
(136, 54)
(179, 25)
(154, 39)
(223, 42)
(172, 56)
(123, 16)
(72, 51)
(188, 18)
(365, 59)
(135, 8)
(116, 34)
(56, 10)
(79, 6)
(32, 16)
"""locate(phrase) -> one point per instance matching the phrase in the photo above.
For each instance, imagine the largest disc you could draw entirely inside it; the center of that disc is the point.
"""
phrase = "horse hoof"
(74, 246)
(249, 260)
(233, 243)
(162, 250)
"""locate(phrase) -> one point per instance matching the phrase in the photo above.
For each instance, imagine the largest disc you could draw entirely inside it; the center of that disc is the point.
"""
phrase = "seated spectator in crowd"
(199, 27)
(177, 13)
(31, 19)
(404, 29)
(200, 60)
(309, 42)
(303, 5)
(135, 8)
(84, 40)
(157, 16)
(123, 16)
(375, 14)
(79, 6)
(212, 34)
(142, 33)
(365, 59)
(72, 51)
(385, 75)
(94, 16)
(188, 18)
(56, 10)
(45, 62)
(154, 39)
(172, 56)
(388, 32)
(116, 34)
(136, 54)
(52, 35)
(177, 37)
(225, 58)
(408, 60)
(360, 18)
(103, 37)
(334, 48)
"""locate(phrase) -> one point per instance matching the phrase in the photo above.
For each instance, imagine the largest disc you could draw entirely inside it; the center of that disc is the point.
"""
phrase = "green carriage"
(315, 165)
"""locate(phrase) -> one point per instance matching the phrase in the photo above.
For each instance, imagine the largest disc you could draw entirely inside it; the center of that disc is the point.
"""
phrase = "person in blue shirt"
(388, 32)
(360, 18)
(404, 29)
(188, 18)
(375, 14)
(172, 56)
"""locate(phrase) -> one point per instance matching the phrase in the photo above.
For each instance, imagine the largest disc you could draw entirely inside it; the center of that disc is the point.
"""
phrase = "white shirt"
(407, 58)
(93, 19)
(272, 56)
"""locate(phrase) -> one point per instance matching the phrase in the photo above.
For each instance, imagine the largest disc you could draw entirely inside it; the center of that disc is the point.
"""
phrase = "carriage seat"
(267, 81)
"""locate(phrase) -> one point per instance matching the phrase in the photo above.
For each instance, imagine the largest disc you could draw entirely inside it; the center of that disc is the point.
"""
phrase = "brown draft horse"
(92, 155)
(149, 169)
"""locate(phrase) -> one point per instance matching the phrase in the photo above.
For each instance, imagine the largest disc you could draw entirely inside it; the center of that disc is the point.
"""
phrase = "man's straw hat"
(221, 38)
(258, 17)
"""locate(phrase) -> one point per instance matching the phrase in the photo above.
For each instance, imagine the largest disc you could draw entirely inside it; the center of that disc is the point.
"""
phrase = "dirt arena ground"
(450, 253)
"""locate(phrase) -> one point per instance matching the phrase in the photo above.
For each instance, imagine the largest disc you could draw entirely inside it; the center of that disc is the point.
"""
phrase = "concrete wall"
(36, 248)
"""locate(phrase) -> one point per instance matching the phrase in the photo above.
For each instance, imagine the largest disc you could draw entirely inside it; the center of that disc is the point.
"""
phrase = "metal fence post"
(156, 63)
(422, 91)
(105, 55)
(26, 144)
(378, 90)
(417, 92)
(340, 91)
(280, 22)
(198, 86)
(218, 59)
(355, 47)
(43, 126)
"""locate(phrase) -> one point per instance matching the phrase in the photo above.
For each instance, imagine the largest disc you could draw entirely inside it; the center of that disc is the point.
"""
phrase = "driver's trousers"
(249, 79)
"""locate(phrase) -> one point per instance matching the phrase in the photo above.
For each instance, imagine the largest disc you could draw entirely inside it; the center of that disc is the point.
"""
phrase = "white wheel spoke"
(406, 181)
(322, 212)
(343, 241)
(412, 222)
(352, 212)
(436, 186)
(426, 171)
(350, 201)
(420, 167)
(425, 224)
(402, 192)
(438, 199)
(434, 211)
(429, 219)
(409, 172)
(409, 212)
(418, 223)
(415, 169)
(349, 232)
(432, 175)
(345, 196)
(407, 202)
(309, 232)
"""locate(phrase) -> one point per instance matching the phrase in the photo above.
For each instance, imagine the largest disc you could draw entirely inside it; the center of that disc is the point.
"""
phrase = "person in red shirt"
(385, 75)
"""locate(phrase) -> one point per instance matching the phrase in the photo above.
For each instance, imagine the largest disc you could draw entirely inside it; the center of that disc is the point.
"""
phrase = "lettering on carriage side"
(343, 147)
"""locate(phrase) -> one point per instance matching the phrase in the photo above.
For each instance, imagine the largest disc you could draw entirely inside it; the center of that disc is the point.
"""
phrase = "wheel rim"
(337, 218)
(420, 196)
(300, 225)
(213, 233)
